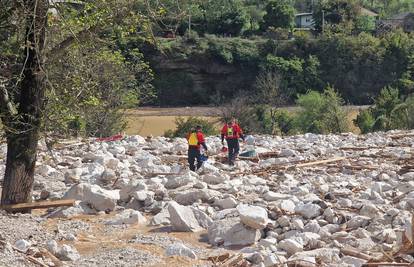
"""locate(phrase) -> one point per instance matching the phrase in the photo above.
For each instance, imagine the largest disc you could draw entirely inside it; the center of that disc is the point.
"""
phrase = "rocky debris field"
(306, 200)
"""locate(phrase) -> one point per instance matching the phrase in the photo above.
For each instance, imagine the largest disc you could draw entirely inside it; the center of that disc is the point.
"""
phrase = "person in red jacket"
(232, 132)
(195, 140)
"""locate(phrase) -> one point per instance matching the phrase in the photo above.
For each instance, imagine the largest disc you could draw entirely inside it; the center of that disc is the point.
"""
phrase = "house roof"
(66, 1)
(367, 12)
(303, 14)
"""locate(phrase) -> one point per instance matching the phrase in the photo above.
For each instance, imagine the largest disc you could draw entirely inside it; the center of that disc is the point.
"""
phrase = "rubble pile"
(309, 200)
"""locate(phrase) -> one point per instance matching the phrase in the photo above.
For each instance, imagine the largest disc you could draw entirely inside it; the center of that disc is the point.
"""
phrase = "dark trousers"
(234, 148)
(193, 154)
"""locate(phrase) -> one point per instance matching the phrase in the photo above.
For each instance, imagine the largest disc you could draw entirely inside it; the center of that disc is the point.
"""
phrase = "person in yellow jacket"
(195, 140)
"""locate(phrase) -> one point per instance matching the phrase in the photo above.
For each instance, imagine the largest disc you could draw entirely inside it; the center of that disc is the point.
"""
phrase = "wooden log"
(53, 258)
(386, 264)
(318, 162)
(39, 205)
(355, 253)
(219, 258)
(398, 136)
(232, 261)
(36, 261)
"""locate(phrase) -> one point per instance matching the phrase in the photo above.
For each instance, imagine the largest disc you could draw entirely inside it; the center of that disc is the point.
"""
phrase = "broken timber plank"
(398, 136)
(45, 253)
(318, 162)
(386, 264)
(36, 261)
(233, 261)
(355, 253)
(39, 205)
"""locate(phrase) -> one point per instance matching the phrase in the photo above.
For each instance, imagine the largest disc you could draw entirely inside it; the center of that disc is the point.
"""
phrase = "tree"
(279, 14)
(322, 113)
(23, 75)
(335, 12)
(269, 93)
(22, 107)
(389, 111)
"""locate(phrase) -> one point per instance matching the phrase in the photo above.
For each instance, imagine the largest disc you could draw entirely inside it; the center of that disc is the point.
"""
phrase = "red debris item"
(110, 139)
(224, 149)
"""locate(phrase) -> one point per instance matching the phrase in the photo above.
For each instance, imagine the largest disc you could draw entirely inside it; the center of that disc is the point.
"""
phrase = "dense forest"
(208, 52)
(104, 56)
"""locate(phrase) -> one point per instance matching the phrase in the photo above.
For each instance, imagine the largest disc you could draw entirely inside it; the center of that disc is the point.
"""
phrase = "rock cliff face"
(198, 80)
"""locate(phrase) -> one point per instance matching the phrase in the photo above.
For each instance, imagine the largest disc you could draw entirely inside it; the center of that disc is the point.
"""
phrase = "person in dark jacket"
(231, 131)
(195, 140)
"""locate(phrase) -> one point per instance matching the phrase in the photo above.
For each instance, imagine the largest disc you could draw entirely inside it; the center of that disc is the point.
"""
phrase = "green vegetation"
(389, 112)
(321, 113)
(185, 126)
(181, 52)
(279, 14)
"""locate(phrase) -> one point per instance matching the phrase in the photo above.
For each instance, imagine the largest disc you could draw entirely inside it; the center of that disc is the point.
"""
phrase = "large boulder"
(161, 218)
(178, 249)
(189, 197)
(78, 208)
(273, 196)
(127, 216)
(215, 178)
(203, 219)
(253, 216)
(182, 218)
(99, 198)
(291, 246)
(179, 181)
(308, 210)
(230, 232)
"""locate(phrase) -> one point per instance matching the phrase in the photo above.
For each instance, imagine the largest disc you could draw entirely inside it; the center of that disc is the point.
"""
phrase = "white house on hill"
(304, 20)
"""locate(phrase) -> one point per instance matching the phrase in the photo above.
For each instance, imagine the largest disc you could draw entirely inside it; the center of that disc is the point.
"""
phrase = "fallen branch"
(398, 136)
(39, 205)
(36, 261)
(46, 253)
(355, 253)
(300, 263)
(386, 264)
(234, 261)
(28, 257)
(318, 162)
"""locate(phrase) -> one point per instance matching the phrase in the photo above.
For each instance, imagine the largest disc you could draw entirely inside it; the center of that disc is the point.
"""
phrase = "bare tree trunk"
(23, 129)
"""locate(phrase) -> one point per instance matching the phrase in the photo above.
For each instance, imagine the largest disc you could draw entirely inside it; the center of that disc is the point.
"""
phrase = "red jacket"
(201, 141)
(233, 132)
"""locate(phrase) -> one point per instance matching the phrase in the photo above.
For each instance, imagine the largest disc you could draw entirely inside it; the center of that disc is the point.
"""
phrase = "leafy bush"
(184, 126)
(388, 112)
(365, 121)
(234, 50)
(92, 103)
(277, 33)
(275, 121)
(285, 123)
(321, 112)
(279, 13)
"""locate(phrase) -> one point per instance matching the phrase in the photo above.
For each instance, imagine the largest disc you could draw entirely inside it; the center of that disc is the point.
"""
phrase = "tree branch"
(60, 47)
(6, 105)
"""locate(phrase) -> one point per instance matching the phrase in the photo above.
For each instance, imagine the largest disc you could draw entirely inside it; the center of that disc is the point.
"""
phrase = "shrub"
(321, 112)
(184, 126)
(277, 33)
(388, 112)
(244, 111)
(365, 121)
(279, 13)
(285, 123)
